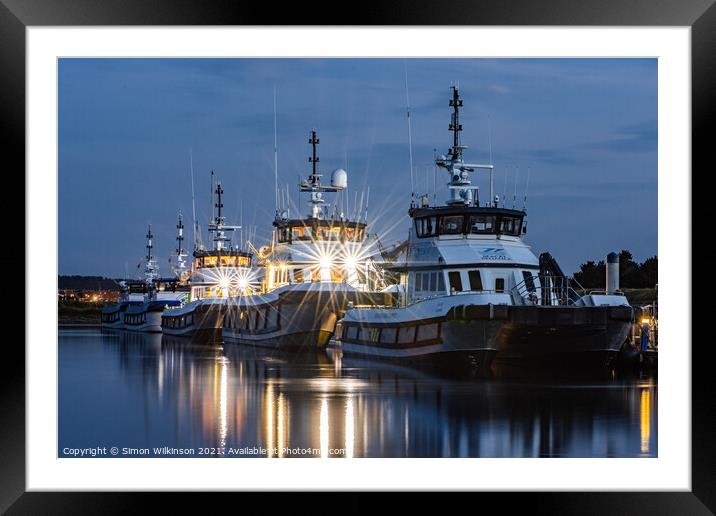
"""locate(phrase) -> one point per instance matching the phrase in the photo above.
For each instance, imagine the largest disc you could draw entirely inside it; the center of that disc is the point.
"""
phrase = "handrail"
(557, 292)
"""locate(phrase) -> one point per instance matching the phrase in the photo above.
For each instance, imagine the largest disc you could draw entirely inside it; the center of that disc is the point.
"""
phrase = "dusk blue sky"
(586, 129)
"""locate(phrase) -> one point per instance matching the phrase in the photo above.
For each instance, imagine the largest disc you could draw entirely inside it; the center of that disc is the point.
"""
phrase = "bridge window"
(300, 233)
(511, 226)
(328, 233)
(451, 225)
(482, 224)
(455, 281)
(499, 284)
(425, 226)
(475, 280)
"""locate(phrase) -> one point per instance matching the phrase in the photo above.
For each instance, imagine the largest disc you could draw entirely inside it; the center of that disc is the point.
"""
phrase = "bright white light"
(351, 262)
(243, 283)
(224, 282)
(325, 262)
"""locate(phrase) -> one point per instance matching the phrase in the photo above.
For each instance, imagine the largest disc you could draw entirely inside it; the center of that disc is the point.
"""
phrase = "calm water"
(147, 394)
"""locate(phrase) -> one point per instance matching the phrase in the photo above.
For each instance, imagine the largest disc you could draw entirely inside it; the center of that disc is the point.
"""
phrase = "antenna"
(489, 131)
(195, 230)
(410, 134)
(367, 198)
(212, 196)
(435, 174)
(527, 187)
(504, 187)
(514, 195)
(275, 149)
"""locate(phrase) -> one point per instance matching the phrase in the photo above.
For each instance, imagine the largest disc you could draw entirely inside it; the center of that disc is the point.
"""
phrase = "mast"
(455, 126)
(313, 184)
(461, 190)
(149, 243)
(315, 177)
(218, 226)
(181, 252)
(151, 269)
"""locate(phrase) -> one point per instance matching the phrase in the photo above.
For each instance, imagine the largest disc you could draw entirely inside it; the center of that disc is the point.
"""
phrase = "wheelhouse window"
(455, 281)
(425, 226)
(328, 233)
(499, 284)
(451, 225)
(300, 233)
(482, 224)
(511, 226)
(352, 234)
(475, 280)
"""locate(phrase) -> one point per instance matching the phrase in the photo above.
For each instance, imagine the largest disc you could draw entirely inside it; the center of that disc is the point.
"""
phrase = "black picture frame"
(700, 15)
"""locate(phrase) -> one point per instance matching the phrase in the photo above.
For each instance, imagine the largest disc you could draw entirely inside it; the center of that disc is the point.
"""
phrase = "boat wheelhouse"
(315, 267)
(472, 289)
(216, 274)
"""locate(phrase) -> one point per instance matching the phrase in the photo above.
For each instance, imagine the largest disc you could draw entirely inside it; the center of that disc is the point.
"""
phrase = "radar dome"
(339, 178)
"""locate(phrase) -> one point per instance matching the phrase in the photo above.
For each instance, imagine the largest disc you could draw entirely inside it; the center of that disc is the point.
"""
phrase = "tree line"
(631, 273)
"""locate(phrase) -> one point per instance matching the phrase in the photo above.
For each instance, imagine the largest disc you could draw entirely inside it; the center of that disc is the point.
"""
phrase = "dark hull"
(459, 345)
(564, 336)
(296, 320)
(561, 336)
(204, 321)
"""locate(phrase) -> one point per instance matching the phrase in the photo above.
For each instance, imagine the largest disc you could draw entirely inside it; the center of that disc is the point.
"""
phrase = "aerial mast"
(313, 183)
(461, 190)
(217, 226)
(455, 126)
(181, 252)
(151, 269)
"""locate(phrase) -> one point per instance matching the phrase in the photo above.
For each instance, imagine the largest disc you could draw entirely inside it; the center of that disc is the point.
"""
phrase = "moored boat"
(314, 269)
(215, 275)
(142, 301)
(471, 289)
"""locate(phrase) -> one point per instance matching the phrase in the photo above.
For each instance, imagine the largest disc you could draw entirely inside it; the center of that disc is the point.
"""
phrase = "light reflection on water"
(146, 391)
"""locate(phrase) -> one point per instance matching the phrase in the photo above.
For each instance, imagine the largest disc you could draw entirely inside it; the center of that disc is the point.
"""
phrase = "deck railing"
(551, 291)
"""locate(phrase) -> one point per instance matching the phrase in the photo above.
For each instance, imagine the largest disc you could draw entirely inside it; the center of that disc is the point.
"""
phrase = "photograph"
(358, 257)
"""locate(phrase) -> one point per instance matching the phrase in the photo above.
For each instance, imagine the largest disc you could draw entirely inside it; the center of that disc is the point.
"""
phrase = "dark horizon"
(586, 129)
